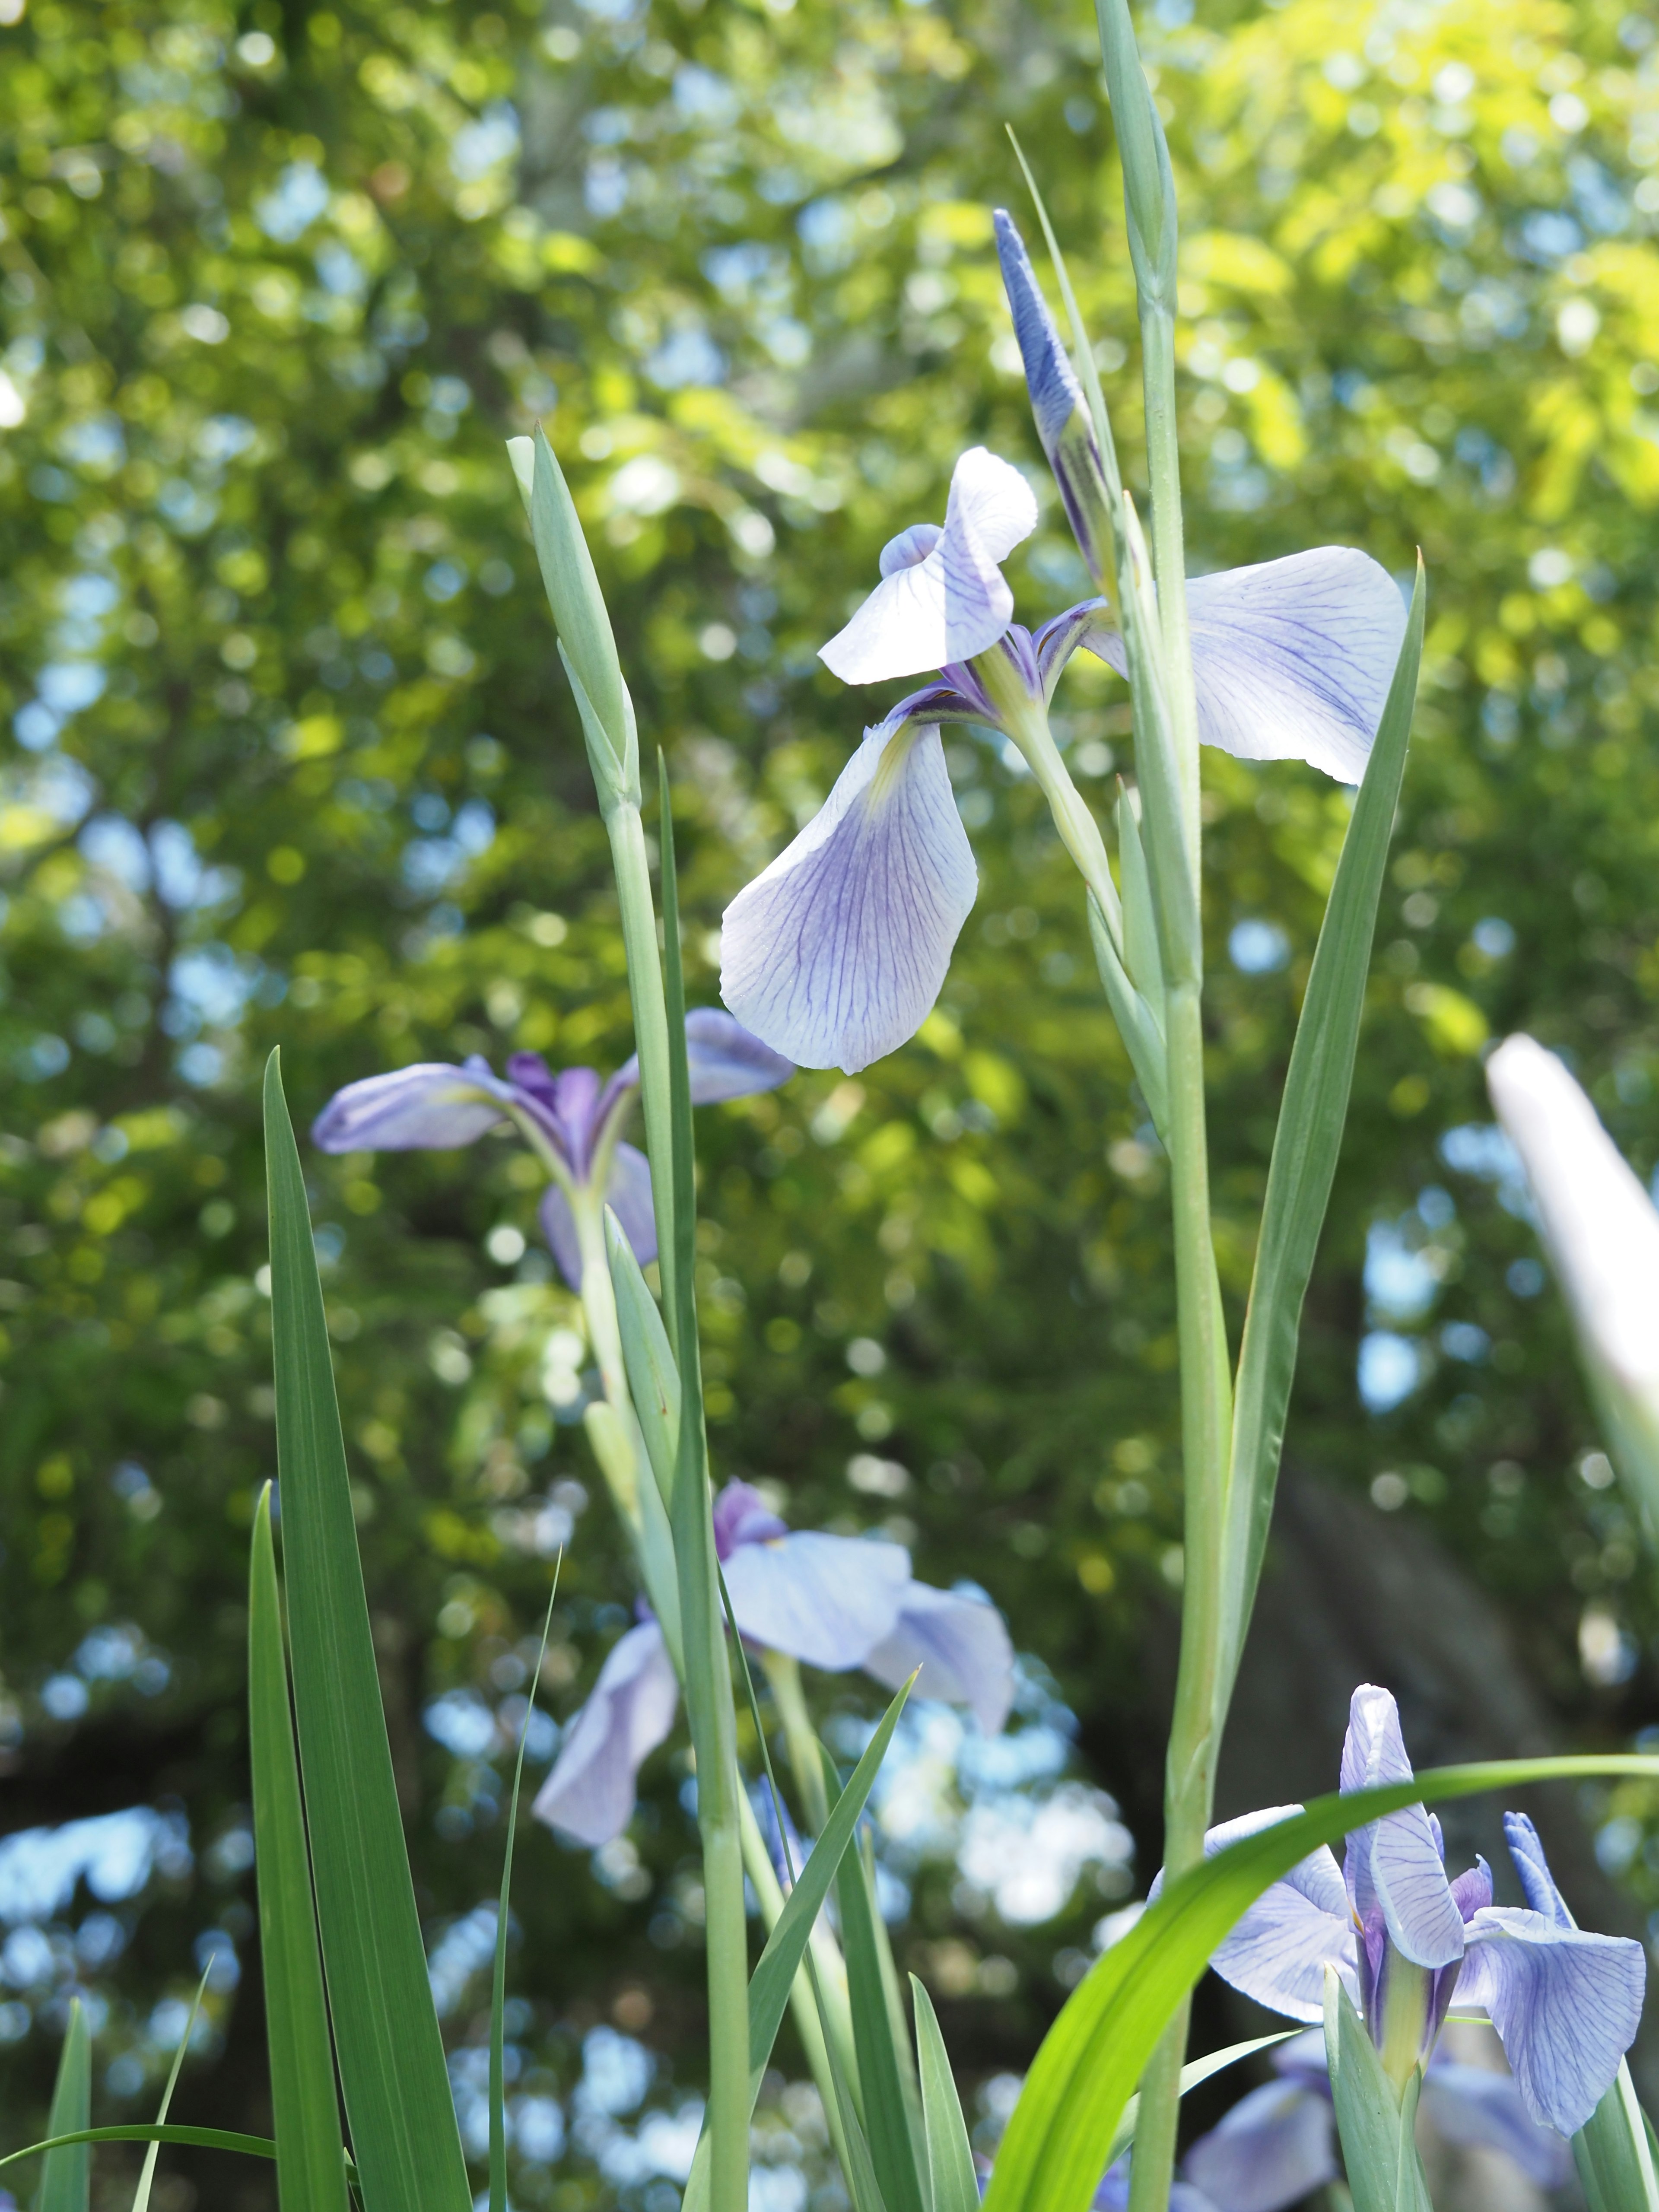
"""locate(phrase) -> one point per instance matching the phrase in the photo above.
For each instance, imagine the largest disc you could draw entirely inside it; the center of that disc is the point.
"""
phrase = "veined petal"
(1471, 2104)
(835, 954)
(1395, 1862)
(1566, 2004)
(1291, 659)
(952, 602)
(1600, 1224)
(961, 1646)
(627, 1196)
(590, 1794)
(428, 1107)
(1275, 2146)
(1279, 1951)
(1056, 392)
(828, 1600)
(1533, 1868)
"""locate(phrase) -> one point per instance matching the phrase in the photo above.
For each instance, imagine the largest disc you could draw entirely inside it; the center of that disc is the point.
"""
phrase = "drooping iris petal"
(1279, 1951)
(1536, 1880)
(1275, 2146)
(1291, 659)
(429, 1107)
(629, 1196)
(835, 954)
(961, 1647)
(1474, 2105)
(590, 1794)
(1113, 2194)
(1394, 1863)
(943, 597)
(828, 1600)
(723, 1059)
(1566, 2004)
(1600, 1225)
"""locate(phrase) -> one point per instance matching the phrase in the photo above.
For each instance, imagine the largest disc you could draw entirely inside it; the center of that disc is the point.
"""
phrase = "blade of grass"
(66, 2176)
(305, 2107)
(1305, 1150)
(892, 2150)
(147, 2173)
(145, 2132)
(397, 2099)
(709, 1697)
(950, 2154)
(1196, 2070)
(1055, 2148)
(498, 1985)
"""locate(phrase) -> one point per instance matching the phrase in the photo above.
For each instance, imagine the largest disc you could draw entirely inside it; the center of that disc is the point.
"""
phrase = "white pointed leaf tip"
(1291, 659)
(1600, 1224)
(944, 600)
(835, 955)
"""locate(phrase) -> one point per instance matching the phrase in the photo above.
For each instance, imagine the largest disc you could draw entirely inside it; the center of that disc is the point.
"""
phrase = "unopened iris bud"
(1057, 402)
(573, 592)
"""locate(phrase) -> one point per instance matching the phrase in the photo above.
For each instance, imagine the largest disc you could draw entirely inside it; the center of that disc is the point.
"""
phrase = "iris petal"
(961, 1646)
(1275, 2146)
(428, 1107)
(1291, 659)
(828, 1600)
(1472, 2105)
(953, 602)
(590, 1794)
(1536, 1880)
(628, 1197)
(835, 954)
(1394, 1863)
(723, 1061)
(1279, 1951)
(1566, 2004)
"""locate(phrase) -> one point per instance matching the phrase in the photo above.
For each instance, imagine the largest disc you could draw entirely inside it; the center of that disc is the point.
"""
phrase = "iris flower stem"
(1169, 551)
(783, 1678)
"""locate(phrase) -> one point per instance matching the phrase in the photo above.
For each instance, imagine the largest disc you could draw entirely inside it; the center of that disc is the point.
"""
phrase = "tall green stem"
(639, 920)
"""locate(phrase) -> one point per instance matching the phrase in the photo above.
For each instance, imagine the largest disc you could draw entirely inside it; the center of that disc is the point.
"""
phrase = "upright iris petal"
(429, 1107)
(942, 597)
(835, 954)
(1395, 1862)
(590, 1793)
(1291, 659)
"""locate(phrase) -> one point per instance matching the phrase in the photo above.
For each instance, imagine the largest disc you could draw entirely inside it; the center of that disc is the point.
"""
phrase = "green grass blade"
(498, 1985)
(859, 2168)
(402, 2117)
(1306, 1146)
(1196, 2070)
(887, 2122)
(769, 1989)
(1064, 2125)
(949, 2155)
(147, 2173)
(66, 2176)
(305, 2108)
(1612, 2153)
(140, 2131)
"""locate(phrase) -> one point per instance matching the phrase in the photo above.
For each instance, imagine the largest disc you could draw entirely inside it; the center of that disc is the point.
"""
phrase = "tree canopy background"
(289, 761)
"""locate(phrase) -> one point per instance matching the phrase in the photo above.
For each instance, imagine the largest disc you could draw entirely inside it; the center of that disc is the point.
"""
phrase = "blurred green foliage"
(289, 761)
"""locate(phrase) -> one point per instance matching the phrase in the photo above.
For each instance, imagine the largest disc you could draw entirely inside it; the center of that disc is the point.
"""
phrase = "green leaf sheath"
(951, 2179)
(1383, 2170)
(1064, 2126)
(886, 2121)
(1306, 1147)
(397, 2099)
(66, 2172)
(305, 2107)
(1613, 2154)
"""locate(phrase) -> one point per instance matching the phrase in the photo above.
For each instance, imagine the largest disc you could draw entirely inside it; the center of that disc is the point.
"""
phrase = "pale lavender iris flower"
(574, 1121)
(837, 953)
(1566, 2004)
(835, 1602)
(1278, 2143)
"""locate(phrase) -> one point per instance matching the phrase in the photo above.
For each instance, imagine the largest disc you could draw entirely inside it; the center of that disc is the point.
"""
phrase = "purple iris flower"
(1280, 2141)
(1566, 2004)
(837, 1602)
(838, 951)
(573, 1122)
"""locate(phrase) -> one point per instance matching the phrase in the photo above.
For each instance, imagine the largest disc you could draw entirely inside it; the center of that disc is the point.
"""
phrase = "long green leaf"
(950, 2154)
(305, 2108)
(391, 2054)
(653, 1383)
(892, 2151)
(66, 2176)
(1378, 2149)
(1613, 2154)
(1306, 1146)
(1055, 2149)
(147, 2173)
(498, 1981)
(140, 2131)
